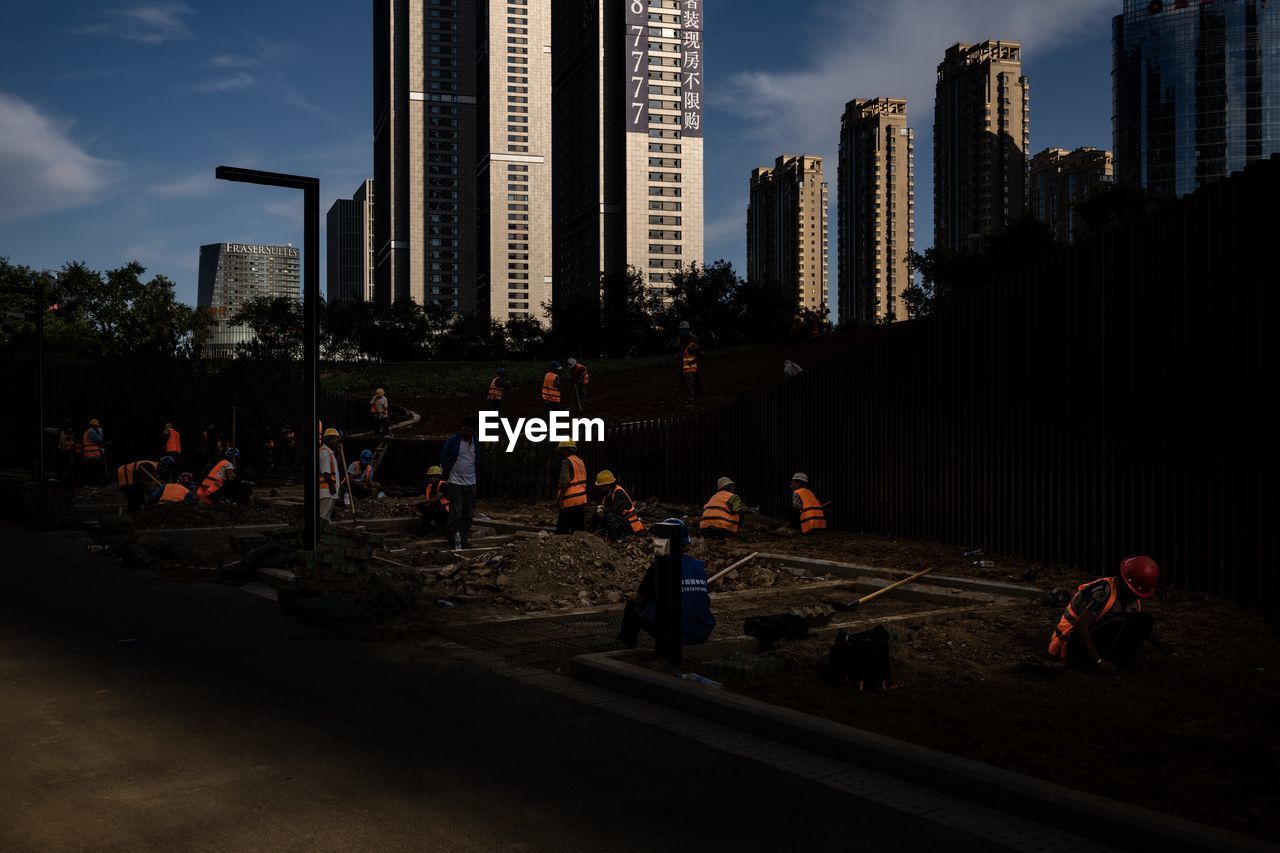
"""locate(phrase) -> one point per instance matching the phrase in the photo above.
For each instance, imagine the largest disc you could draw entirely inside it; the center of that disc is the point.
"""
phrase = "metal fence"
(1109, 401)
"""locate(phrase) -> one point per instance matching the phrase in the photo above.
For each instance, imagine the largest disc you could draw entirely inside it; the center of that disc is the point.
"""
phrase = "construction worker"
(722, 515)
(460, 466)
(690, 380)
(434, 507)
(172, 442)
(328, 472)
(214, 486)
(551, 388)
(92, 453)
(360, 475)
(616, 512)
(211, 442)
(571, 490)
(695, 601)
(380, 408)
(1104, 625)
(135, 480)
(579, 379)
(497, 390)
(806, 513)
(175, 493)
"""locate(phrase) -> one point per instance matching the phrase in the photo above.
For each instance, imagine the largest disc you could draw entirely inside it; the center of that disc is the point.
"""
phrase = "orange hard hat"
(1140, 574)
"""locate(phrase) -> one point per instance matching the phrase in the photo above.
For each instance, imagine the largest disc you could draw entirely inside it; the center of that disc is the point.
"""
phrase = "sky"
(114, 113)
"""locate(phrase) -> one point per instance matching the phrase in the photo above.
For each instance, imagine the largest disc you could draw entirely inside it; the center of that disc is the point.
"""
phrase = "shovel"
(858, 602)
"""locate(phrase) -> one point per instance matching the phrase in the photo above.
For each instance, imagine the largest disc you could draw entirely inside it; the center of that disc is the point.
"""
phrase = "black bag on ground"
(780, 626)
(862, 659)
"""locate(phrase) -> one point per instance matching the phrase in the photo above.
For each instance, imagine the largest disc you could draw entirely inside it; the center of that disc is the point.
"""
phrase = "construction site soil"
(1194, 734)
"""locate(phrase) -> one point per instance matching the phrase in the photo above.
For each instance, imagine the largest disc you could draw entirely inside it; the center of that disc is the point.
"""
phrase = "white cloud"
(41, 169)
(868, 50)
(196, 184)
(148, 23)
(242, 80)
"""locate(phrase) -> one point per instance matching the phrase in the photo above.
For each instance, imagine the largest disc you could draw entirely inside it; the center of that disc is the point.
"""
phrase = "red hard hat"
(1141, 574)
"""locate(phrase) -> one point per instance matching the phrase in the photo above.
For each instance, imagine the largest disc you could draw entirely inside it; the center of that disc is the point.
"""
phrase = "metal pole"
(311, 348)
(668, 616)
(40, 304)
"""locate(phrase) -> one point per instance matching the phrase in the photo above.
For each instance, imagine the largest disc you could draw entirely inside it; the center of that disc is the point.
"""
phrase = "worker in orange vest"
(175, 493)
(92, 453)
(551, 388)
(616, 512)
(1104, 624)
(172, 442)
(722, 515)
(135, 480)
(380, 408)
(329, 472)
(579, 379)
(690, 377)
(434, 506)
(497, 390)
(571, 491)
(218, 484)
(806, 513)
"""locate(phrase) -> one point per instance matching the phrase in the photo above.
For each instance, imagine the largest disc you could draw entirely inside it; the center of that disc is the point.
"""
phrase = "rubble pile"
(198, 514)
(340, 581)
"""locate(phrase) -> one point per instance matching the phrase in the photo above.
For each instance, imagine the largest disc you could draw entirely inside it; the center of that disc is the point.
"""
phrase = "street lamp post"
(310, 313)
(37, 293)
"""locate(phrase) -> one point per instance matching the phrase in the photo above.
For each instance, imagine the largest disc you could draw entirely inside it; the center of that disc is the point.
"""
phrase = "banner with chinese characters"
(638, 66)
(691, 77)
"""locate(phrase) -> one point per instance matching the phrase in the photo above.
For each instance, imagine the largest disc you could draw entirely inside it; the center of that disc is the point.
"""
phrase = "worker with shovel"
(806, 514)
(616, 514)
(695, 600)
(1104, 625)
(579, 378)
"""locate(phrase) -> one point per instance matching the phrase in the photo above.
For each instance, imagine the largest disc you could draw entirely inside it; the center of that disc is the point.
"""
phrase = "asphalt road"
(144, 715)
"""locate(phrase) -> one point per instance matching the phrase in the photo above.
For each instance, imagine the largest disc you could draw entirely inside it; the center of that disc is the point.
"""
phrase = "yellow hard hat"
(568, 445)
(331, 433)
(379, 392)
(94, 422)
(724, 483)
(435, 469)
(605, 478)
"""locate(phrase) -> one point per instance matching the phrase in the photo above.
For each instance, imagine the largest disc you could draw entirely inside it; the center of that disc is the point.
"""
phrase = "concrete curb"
(1100, 818)
(857, 569)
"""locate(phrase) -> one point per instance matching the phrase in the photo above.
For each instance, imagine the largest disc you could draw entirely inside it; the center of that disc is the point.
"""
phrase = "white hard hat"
(724, 483)
(572, 362)
(800, 477)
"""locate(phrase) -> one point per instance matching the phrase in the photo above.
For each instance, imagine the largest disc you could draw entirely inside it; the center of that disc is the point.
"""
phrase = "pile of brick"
(340, 580)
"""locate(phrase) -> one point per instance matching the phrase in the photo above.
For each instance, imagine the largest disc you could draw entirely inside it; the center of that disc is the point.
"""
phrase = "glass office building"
(1196, 90)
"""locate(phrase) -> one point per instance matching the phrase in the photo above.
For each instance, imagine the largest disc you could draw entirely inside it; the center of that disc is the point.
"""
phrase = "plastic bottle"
(699, 679)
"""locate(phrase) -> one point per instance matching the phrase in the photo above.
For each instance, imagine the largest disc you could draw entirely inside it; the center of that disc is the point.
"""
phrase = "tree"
(628, 314)
(765, 309)
(277, 325)
(526, 338)
(1111, 205)
(708, 297)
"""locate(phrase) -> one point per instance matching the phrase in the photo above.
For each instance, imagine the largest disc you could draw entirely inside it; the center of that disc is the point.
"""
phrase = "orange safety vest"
(688, 360)
(550, 391)
(1070, 616)
(328, 465)
(575, 493)
(214, 480)
(173, 442)
(434, 489)
(174, 493)
(580, 374)
(495, 390)
(716, 513)
(630, 517)
(811, 515)
(66, 440)
(127, 475)
(89, 449)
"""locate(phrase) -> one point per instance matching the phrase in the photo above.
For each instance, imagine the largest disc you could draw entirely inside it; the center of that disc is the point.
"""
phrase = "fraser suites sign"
(245, 249)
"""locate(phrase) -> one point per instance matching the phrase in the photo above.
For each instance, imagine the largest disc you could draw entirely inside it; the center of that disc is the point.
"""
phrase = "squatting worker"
(1105, 625)
(616, 512)
(434, 506)
(806, 513)
(571, 490)
(460, 463)
(695, 600)
(329, 473)
(722, 515)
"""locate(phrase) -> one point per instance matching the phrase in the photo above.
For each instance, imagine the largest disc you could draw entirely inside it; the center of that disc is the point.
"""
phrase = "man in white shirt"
(329, 473)
(460, 459)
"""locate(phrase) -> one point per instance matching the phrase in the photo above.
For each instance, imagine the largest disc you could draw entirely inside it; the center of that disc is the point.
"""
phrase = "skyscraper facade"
(1059, 180)
(627, 106)
(875, 210)
(342, 252)
(513, 84)
(232, 274)
(981, 133)
(787, 228)
(424, 159)
(364, 200)
(1195, 90)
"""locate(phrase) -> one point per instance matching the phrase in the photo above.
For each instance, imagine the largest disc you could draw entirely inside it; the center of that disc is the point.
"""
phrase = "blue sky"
(113, 115)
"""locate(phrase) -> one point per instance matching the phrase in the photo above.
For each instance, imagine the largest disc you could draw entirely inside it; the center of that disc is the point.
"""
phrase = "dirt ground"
(1195, 734)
